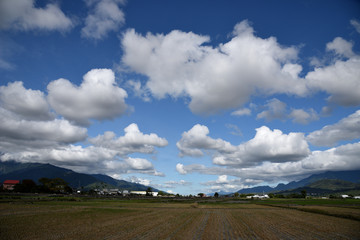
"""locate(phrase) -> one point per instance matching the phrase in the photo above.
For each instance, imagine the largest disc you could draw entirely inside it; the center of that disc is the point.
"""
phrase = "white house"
(260, 196)
(344, 196)
(138, 192)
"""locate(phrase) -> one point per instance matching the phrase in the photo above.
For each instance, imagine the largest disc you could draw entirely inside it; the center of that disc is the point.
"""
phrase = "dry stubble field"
(156, 220)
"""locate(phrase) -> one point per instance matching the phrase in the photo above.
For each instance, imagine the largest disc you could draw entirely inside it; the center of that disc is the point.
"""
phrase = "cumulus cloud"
(23, 15)
(340, 79)
(356, 24)
(224, 184)
(341, 158)
(105, 16)
(346, 129)
(276, 109)
(84, 159)
(267, 145)
(108, 154)
(29, 104)
(142, 181)
(27, 121)
(196, 139)
(98, 97)
(30, 131)
(242, 112)
(58, 130)
(215, 78)
(133, 141)
(278, 157)
(234, 129)
(303, 117)
(174, 184)
(341, 47)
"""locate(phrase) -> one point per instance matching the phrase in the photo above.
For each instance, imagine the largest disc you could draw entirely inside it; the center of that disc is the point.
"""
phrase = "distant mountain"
(35, 171)
(327, 186)
(333, 184)
(221, 193)
(350, 176)
(259, 189)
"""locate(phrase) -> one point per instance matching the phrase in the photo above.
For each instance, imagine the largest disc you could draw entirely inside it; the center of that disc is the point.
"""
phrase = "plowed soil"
(168, 221)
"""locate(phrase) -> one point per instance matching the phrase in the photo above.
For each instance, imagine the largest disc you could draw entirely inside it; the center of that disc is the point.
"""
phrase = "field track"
(168, 221)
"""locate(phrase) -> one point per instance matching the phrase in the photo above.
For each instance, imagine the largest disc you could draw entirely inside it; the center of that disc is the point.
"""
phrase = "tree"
(55, 185)
(216, 195)
(271, 195)
(236, 194)
(303, 193)
(201, 194)
(149, 191)
(26, 186)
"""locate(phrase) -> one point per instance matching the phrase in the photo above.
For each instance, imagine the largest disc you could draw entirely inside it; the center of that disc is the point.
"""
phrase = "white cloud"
(235, 129)
(267, 145)
(174, 184)
(27, 121)
(142, 181)
(180, 168)
(341, 47)
(55, 131)
(133, 141)
(276, 110)
(242, 112)
(335, 159)
(139, 163)
(22, 15)
(29, 131)
(346, 129)
(27, 103)
(98, 97)
(340, 79)
(224, 184)
(196, 139)
(180, 64)
(303, 117)
(138, 90)
(105, 16)
(89, 159)
(356, 24)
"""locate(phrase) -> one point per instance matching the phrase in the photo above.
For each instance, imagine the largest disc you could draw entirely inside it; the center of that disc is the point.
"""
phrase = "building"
(10, 184)
(138, 193)
(143, 193)
(259, 196)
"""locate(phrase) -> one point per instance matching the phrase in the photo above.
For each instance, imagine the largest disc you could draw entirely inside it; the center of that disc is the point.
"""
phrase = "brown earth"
(168, 221)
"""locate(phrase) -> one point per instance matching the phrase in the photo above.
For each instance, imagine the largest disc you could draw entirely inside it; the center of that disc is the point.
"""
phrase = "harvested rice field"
(117, 219)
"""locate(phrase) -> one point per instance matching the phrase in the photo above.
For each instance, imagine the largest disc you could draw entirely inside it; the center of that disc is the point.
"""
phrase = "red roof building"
(10, 184)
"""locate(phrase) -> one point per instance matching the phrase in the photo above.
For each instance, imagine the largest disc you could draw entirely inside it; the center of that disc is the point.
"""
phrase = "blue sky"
(184, 96)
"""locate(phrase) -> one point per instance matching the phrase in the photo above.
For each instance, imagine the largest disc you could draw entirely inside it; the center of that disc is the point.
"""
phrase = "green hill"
(333, 184)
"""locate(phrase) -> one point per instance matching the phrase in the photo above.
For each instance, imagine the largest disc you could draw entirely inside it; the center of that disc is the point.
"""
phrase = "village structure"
(10, 184)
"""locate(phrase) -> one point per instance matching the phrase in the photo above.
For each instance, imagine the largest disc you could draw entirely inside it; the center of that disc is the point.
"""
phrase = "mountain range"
(20, 171)
(322, 181)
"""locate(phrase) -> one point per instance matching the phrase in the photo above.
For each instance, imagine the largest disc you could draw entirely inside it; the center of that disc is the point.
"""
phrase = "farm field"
(144, 219)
